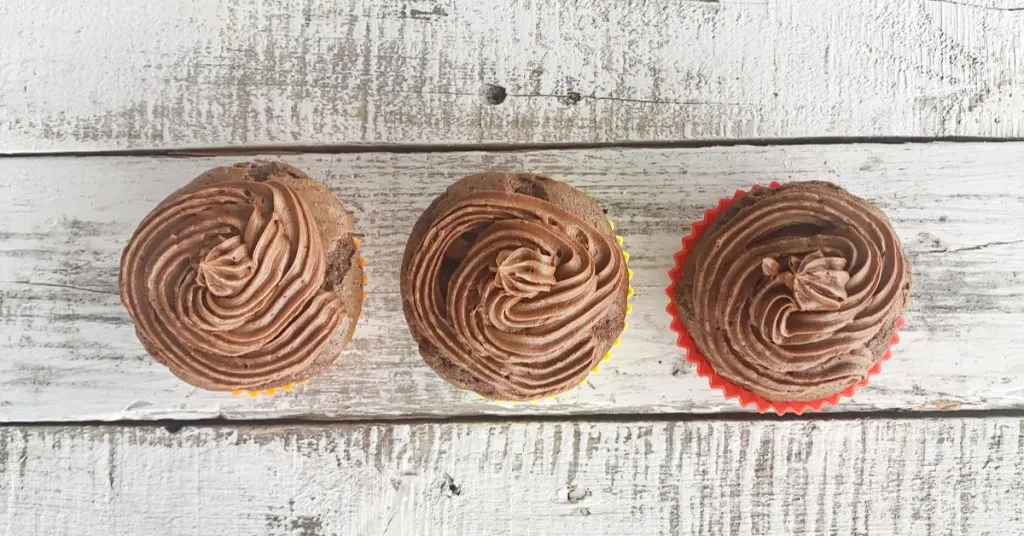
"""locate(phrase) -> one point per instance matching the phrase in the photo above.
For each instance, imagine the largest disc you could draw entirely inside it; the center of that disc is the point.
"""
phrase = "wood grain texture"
(949, 477)
(68, 350)
(119, 74)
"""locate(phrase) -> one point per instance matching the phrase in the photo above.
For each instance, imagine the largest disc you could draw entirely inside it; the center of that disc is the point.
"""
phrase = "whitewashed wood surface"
(122, 74)
(948, 477)
(68, 351)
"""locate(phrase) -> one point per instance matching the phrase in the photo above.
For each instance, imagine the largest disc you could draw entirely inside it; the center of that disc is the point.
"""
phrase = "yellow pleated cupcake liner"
(362, 264)
(289, 387)
(608, 355)
(271, 391)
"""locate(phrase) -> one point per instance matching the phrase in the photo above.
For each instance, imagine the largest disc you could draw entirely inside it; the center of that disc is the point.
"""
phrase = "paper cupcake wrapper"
(286, 388)
(608, 355)
(289, 387)
(704, 369)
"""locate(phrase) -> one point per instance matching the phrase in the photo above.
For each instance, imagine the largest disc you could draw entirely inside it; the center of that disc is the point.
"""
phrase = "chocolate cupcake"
(514, 285)
(248, 278)
(792, 293)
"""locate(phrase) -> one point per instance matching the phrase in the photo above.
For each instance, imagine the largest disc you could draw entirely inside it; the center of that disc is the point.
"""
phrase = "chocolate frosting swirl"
(225, 284)
(516, 292)
(794, 292)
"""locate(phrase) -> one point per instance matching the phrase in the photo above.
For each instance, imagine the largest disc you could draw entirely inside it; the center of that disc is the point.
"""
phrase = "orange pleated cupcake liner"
(704, 369)
(608, 355)
(289, 387)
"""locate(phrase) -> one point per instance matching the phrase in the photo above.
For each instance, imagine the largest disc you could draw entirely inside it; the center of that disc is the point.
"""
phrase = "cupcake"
(788, 297)
(514, 285)
(248, 278)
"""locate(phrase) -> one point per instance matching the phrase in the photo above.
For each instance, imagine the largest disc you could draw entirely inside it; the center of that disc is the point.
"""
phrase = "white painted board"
(948, 477)
(68, 350)
(121, 74)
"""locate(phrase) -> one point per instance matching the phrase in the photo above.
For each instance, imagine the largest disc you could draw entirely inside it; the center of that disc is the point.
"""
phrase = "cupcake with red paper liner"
(249, 279)
(789, 297)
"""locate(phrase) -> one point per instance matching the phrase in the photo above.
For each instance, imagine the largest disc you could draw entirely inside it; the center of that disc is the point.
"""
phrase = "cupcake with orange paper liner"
(514, 286)
(247, 280)
(789, 297)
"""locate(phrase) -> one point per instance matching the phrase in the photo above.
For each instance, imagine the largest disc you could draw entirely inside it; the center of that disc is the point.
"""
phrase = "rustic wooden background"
(656, 108)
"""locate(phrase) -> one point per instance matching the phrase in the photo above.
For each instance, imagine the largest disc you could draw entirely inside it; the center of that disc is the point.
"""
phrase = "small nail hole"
(570, 98)
(493, 94)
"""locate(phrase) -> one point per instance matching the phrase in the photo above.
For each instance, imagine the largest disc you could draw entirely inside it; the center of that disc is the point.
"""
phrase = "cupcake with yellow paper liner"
(789, 297)
(247, 280)
(514, 286)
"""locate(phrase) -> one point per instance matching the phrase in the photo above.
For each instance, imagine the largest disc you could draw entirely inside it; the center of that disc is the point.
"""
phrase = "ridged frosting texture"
(796, 294)
(224, 284)
(511, 288)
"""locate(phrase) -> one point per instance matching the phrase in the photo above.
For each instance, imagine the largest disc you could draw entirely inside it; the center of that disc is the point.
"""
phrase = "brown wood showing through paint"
(316, 72)
(907, 477)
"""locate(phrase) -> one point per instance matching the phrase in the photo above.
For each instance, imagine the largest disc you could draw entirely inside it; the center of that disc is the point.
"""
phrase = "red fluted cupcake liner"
(704, 369)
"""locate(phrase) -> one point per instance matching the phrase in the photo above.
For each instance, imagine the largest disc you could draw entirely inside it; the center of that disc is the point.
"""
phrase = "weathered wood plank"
(950, 477)
(119, 74)
(68, 351)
